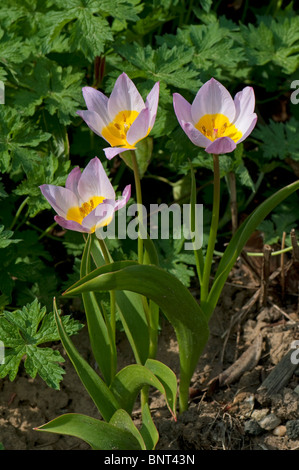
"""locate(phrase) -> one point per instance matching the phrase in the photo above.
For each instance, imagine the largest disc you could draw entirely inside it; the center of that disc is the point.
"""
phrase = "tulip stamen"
(218, 125)
(116, 132)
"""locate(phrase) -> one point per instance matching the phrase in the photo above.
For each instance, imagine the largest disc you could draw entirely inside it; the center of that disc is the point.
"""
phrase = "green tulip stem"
(139, 203)
(108, 260)
(213, 231)
(19, 212)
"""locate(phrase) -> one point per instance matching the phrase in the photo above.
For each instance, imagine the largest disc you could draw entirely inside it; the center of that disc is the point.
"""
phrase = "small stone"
(243, 404)
(280, 431)
(296, 390)
(293, 429)
(258, 415)
(252, 428)
(269, 422)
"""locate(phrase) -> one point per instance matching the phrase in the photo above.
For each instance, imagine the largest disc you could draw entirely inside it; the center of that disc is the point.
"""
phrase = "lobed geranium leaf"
(18, 141)
(57, 88)
(5, 237)
(22, 332)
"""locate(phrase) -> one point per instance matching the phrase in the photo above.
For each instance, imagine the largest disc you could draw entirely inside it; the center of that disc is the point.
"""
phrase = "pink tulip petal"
(213, 98)
(93, 120)
(140, 127)
(221, 146)
(249, 124)
(124, 96)
(61, 199)
(70, 224)
(151, 103)
(244, 102)
(73, 180)
(121, 202)
(111, 152)
(95, 182)
(194, 135)
(182, 109)
(99, 216)
(95, 101)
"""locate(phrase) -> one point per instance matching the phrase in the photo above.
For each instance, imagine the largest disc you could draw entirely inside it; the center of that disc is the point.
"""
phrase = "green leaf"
(12, 50)
(131, 379)
(273, 40)
(281, 221)
(122, 420)
(168, 65)
(89, 33)
(105, 401)
(17, 141)
(175, 300)
(98, 434)
(244, 177)
(5, 237)
(86, 25)
(279, 139)
(168, 380)
(22, 331)
(55, 87)
(51, 170)
(215, 51)
(131, 312)
(144, 149)
(239, 240)
(100, 333)
(175, 260)
(148, 429)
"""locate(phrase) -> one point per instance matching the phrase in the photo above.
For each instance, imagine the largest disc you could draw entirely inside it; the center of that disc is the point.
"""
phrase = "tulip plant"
(139, 290)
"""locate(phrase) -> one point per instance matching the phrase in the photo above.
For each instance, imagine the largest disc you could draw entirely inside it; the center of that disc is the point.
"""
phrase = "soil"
(222, 416)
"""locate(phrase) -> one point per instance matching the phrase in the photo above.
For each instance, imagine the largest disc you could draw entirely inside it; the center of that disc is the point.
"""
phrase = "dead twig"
(233, 200)
(295, 247)
(253, 271)
(281, 311)
(238, 318)
(282, 275)
(247, 361)
(241, 314)
(267, 250)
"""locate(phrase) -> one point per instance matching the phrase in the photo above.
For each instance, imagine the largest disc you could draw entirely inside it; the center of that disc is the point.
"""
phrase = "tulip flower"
(88, 200)
(123, 119)
(214, 120)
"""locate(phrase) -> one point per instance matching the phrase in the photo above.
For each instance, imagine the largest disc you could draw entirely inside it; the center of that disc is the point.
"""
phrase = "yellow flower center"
(116, 131)
(214, 126)
(77, 213)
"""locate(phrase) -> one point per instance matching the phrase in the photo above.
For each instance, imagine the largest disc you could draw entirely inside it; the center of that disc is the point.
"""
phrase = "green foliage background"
(50, 49)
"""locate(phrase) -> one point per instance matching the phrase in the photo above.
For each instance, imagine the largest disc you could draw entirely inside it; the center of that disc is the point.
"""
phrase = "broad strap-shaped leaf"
(131, 312)
(122, 420)
(167, 378)
(131, 379)
(100, 334)
(148, 429)
(95, 386)
(239, 240)
(175, 300)
(98, 434)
